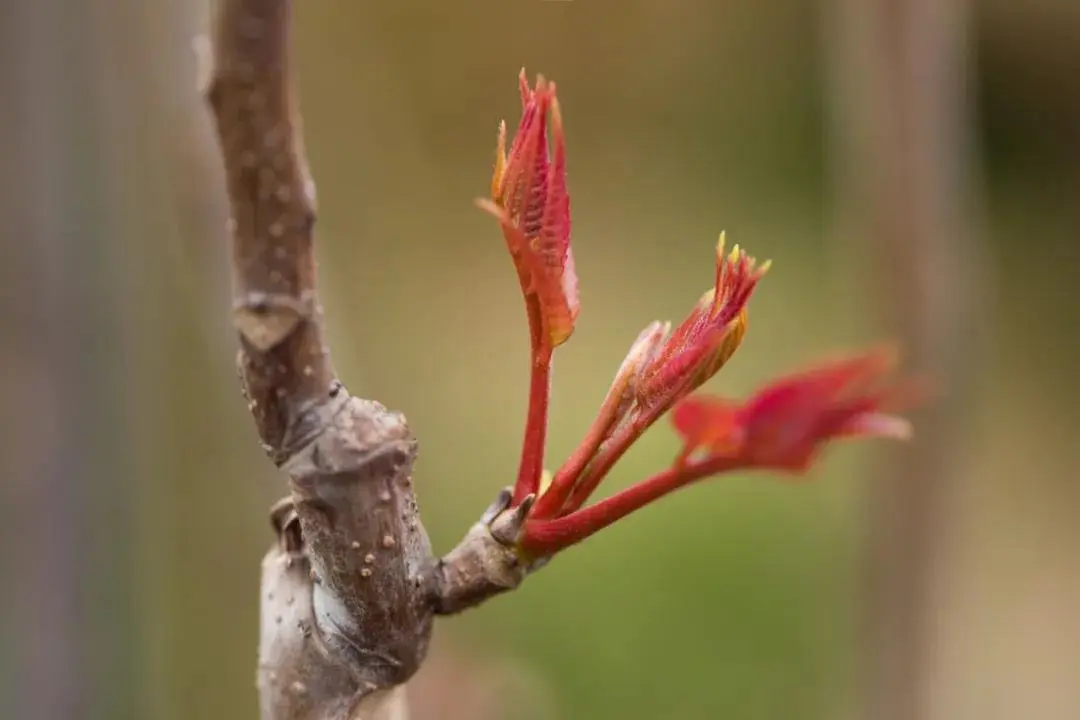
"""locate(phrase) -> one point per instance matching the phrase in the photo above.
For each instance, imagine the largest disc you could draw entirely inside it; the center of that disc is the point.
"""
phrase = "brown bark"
(351, 587)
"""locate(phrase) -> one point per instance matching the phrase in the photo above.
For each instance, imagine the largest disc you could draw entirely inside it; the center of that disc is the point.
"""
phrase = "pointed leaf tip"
(500, 163)
(709, 335)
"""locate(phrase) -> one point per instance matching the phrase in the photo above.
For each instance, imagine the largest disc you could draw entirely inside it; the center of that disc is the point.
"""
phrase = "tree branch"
(350, 589)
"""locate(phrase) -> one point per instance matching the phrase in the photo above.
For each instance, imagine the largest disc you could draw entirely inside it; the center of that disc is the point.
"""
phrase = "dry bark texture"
(350, 589)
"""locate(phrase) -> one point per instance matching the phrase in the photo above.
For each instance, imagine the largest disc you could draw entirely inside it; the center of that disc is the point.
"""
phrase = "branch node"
(485, 563)
(265, 320)
(507, 527)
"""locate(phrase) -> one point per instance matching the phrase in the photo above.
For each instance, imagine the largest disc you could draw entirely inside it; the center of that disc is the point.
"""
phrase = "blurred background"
(911, 166)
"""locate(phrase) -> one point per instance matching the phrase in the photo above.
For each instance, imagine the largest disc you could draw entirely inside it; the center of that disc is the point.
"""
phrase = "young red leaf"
(706, 422)
(785, 423)
(529, 198)
(709, 335)
(656, 374)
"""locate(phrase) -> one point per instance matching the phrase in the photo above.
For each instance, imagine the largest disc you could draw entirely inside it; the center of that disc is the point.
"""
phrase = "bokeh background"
(912, 167)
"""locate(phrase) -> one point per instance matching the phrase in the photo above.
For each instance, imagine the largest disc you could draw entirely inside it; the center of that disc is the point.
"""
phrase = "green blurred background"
(938, 580)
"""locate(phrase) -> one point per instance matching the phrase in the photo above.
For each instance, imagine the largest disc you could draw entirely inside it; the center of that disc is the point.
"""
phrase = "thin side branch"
(350, 589)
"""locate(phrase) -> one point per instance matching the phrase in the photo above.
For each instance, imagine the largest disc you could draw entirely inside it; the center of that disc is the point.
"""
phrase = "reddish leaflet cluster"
(781, 427)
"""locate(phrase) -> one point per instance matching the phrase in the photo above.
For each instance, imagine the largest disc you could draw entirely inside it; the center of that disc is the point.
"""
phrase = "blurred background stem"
(69, 646)
(901, 74)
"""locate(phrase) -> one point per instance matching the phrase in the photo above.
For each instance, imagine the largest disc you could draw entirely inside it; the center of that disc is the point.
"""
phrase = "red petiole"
(532, 449)
(547, 536)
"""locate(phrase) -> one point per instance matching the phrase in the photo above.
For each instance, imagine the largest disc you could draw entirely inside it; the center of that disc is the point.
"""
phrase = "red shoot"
(708, 337)
(530, 200)
(782, 427)
(673, 367)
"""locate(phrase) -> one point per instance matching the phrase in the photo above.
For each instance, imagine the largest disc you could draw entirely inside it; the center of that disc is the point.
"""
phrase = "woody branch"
(350, 588)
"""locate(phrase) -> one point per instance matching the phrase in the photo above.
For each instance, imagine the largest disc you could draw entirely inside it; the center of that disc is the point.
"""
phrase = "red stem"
(545, 537)
(606, 459)
(627, 436)
(532, 449)
(566, 476)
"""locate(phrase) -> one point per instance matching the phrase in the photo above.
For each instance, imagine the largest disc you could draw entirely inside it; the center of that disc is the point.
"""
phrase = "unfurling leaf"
(785, 423)
(709, 335)
(530, 199)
